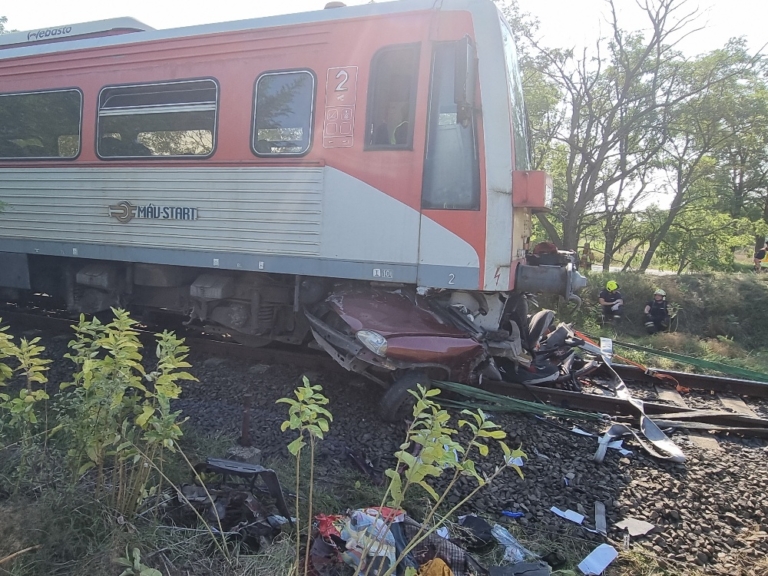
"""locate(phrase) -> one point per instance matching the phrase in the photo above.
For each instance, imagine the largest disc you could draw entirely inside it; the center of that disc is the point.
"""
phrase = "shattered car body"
(403, 337)
(399, 331)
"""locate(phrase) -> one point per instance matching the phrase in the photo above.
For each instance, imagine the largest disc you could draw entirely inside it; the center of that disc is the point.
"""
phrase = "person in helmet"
(611, 301)
(656, 313)
(760, 256)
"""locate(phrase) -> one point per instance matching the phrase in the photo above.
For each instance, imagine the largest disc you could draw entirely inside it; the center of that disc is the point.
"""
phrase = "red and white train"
(357, 175)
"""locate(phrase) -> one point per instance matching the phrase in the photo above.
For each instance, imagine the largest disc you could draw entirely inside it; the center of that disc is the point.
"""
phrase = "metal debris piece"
(600, 522)
(648, 427)
(194, 493)
(252, 472)
(243, 453)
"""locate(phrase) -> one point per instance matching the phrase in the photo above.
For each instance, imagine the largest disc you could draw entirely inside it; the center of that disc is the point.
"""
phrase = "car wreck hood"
(389, 314)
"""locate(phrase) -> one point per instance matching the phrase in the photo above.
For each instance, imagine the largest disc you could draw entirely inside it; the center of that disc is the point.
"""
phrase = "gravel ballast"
(709, 512)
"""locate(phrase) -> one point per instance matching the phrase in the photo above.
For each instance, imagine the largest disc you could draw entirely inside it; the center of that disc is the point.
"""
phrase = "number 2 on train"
(344, 75)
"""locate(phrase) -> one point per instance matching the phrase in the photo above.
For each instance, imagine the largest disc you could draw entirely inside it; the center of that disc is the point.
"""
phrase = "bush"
(714, 305)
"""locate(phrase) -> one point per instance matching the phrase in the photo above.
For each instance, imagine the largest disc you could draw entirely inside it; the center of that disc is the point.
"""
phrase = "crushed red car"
(401, 337)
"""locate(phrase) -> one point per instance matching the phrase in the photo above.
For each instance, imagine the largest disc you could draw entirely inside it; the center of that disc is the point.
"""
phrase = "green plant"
(119, 415)
(307, 416)
(439, 453)
(133, 566)
(22, 408)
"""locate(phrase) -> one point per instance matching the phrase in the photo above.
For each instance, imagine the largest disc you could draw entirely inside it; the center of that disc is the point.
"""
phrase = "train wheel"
(397, 403)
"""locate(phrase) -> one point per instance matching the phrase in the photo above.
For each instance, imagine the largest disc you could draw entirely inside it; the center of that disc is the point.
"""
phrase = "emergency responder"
(611, 301)
(656, 313)
(759, 257)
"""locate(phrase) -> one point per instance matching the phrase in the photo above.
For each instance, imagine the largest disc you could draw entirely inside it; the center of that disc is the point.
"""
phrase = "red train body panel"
(237, 171)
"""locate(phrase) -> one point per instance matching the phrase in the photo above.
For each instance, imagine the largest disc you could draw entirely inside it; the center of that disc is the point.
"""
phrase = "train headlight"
(374, 341)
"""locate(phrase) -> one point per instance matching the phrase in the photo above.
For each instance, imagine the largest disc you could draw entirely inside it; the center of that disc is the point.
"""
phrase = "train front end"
(467, 319)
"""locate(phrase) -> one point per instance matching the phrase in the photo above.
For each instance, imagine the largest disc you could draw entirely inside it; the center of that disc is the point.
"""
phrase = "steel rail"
(694, 381)
(618, 407)
(315, 360)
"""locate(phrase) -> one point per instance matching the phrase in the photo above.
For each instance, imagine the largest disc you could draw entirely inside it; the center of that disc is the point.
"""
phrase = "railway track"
(715, 403)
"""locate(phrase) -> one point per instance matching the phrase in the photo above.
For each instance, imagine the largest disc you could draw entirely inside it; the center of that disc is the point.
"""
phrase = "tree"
(742, 173)
(633, 116)
(702, 238)
(3, 22)
(695, 133)
(618, 103)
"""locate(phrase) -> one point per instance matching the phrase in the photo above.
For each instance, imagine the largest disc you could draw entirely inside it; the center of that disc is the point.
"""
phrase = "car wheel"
(397, 403)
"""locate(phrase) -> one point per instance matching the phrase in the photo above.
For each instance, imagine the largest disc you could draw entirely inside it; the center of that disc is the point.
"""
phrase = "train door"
(451, 168)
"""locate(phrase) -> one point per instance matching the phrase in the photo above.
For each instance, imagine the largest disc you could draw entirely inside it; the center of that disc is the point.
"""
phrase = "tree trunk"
(552, 234)
(658, 238)
(570, 233)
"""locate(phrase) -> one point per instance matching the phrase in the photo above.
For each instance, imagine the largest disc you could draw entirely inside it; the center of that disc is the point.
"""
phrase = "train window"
(283, 113)
(516, 101)
(40, 125)
(392, 98)
(172, 119)
(451, 169)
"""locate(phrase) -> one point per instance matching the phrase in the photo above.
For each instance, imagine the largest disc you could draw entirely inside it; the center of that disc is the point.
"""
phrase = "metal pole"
(245, 438)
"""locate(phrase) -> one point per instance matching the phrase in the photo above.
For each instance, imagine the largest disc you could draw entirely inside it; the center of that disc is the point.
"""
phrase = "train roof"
(69, 32)
(139, 32)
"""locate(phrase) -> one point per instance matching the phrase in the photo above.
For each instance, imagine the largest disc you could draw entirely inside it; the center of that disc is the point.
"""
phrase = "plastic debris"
(515, 460)
(510, 514)
(635, 527)
(514, 551)
(598, 560)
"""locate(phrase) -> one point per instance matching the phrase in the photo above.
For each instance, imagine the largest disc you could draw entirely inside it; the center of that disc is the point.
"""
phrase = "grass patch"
(721, 317)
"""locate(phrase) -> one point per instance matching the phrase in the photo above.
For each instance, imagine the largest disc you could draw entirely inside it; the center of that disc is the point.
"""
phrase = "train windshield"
(516, 101)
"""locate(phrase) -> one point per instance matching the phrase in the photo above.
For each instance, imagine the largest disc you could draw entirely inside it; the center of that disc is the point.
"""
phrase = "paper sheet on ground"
(635, 527)
(568, 515)
(598, 560)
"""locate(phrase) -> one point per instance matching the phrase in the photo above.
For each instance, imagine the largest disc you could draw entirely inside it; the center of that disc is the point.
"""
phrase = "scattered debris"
(600, 523)
(539, 568)
(514, 551)
(374, 538)
(478, 534)
(510, 514)
(635, 527)
(568, 515)
(598, 560)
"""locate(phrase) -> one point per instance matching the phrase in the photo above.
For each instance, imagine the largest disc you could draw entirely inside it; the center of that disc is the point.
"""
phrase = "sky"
(564, 23)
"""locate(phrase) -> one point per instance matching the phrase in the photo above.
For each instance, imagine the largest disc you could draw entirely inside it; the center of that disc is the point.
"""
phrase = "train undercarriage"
(394, 335)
